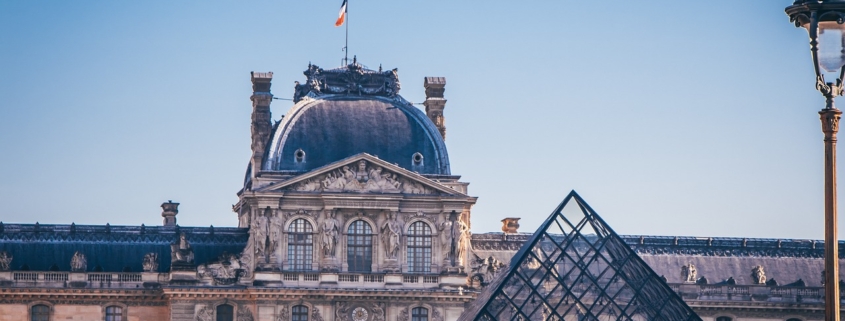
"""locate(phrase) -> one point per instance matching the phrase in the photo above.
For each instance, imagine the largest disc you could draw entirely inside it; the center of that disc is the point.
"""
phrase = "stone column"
(435, 103)
(261, 123)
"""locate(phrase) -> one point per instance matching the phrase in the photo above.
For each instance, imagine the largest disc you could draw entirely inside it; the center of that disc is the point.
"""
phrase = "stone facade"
(345, 223)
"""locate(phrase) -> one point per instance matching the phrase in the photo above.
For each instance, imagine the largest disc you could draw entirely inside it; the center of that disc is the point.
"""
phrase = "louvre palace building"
(349, 212)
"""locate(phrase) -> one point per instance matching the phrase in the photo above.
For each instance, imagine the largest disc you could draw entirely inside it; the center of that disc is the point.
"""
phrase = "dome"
(351, 110)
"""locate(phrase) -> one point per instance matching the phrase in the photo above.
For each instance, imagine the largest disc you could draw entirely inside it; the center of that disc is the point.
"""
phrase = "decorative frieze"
(363, 177)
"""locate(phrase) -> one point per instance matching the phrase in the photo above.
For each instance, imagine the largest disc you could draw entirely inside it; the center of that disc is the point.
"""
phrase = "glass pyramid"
(577, 268)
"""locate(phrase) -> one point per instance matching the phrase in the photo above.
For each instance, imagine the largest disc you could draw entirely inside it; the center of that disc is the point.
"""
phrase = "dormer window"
(299, 156)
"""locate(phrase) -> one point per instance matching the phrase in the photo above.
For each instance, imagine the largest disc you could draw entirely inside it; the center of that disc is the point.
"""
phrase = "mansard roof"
(716, 258)
(576, 267)
(345, 111)
(107, 248)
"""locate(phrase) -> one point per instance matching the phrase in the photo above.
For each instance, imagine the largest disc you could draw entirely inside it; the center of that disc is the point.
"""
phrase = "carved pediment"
(363, 174)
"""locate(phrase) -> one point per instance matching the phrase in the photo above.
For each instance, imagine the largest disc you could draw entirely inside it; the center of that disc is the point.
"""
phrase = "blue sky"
(669, 117)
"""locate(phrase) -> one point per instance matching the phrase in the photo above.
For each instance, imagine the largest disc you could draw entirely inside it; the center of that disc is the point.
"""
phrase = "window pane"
(359, 247)
(40, 313)
(300, 245)
(419, 248)
(299, 313)
(225, 312)
(419, 314)
(114, 313)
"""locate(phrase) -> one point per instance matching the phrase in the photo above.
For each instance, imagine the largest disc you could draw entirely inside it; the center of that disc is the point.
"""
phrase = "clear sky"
(669, 117)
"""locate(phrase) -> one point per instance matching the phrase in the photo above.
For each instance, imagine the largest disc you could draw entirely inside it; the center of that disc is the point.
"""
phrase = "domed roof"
(351, 110)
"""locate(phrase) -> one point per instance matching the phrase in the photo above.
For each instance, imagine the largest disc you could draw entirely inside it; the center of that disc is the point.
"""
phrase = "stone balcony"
(749, 293)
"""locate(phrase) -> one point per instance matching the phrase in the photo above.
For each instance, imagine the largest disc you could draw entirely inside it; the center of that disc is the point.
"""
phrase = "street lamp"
(824, 20)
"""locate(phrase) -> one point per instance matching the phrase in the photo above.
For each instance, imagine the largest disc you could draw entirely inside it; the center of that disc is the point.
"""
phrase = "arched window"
(359, 247)
(419, 314)
(419, 248)
(114, 313)
(40, 313)
(225, 312)
(299, 313)
(300, 245)
(724, 319)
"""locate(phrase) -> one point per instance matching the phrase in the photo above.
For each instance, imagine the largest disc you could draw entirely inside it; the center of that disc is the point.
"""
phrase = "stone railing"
(80, 280)
(758, 293)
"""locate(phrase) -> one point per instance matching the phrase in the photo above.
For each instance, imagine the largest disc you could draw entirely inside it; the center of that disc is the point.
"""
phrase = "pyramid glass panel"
(576, 267)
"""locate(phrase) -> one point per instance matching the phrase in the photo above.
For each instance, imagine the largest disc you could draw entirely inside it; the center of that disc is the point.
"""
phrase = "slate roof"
(45, 247)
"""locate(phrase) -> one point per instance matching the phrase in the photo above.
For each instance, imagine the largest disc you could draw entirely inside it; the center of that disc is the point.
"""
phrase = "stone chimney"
(261, 123)
(168, 212)
(435, 103)
(510, 225)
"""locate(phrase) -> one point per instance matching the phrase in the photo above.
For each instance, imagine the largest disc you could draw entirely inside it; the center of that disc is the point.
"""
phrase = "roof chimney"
(435, 103)
(261, 125)
(510, 225)
(169, 211)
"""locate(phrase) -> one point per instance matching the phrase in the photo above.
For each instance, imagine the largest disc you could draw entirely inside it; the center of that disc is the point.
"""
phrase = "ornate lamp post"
(823, 20)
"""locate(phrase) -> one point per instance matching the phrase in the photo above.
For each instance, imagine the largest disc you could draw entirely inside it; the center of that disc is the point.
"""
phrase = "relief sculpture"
(362, 177)
(203, 314)
(227, 270)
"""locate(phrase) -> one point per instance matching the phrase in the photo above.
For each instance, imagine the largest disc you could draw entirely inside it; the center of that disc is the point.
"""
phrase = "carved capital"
(830, 121)
(261, 99)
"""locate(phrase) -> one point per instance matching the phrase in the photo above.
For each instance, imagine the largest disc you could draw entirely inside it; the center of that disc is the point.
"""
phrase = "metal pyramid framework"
(576, 267)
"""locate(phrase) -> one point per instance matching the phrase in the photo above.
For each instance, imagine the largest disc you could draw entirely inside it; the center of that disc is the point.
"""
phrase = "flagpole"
(346, 46)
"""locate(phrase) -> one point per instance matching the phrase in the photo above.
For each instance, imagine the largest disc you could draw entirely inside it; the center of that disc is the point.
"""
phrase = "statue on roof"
(5, 261)
(181, 251)
(78, 263)
(688, 273)
(758, 275)
(150, 263)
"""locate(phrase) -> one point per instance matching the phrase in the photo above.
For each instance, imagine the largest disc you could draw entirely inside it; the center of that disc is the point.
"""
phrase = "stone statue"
(259, 234)
(181, 251)
(328, 234)
(5, 261)
(78, 263)
(457, 238)
(391, 233)
(758, 276)
(460, 236)
(150, 263)
(276, 229)
(688, 273)
(484, 270)
(445, 229)
(204, 314)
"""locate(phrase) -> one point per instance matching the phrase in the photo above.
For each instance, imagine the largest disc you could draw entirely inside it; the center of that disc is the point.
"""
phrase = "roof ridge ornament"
(354, 79)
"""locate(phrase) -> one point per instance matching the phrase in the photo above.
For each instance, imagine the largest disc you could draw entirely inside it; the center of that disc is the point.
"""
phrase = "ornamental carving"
(150, 263)
(78, 263)
(403, 315)
(758, 275)
(483, 270)
(204, 314)
(227, 270)
(315, 314)
(5, 261)
(378, 311)
(244, 314)
(283, 313)
(341, 312)
(352, 79)
(363, 177)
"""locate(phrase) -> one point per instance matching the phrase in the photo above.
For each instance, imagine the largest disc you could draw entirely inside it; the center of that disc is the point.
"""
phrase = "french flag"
(341, 17)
